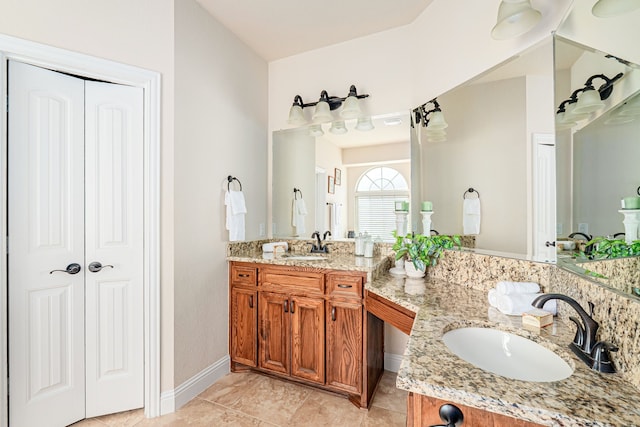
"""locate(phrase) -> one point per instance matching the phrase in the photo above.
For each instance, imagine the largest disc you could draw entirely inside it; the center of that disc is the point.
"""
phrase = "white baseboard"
(392, 362)
(174, 399)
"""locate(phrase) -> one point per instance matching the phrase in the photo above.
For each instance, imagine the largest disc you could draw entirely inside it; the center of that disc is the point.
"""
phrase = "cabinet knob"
(333, 314)
(250, 301)
(450, 414)
(286, 306)
(345, 286)
(293, 306)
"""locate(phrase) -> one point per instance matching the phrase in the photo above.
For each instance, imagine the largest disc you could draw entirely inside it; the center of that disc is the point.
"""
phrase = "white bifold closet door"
(75, 203)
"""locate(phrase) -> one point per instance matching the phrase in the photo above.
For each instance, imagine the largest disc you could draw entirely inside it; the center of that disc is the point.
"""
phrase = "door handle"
(71, 269)
(95, 266)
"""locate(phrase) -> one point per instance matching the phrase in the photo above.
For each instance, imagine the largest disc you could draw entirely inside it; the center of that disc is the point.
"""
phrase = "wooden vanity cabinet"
(291, 323)
(311, 327)
(344, 332)
(423, 411)
(243, 314)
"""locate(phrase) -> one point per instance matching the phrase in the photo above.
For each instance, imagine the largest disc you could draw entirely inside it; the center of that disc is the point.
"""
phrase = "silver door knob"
(95, 266)
(71, 269)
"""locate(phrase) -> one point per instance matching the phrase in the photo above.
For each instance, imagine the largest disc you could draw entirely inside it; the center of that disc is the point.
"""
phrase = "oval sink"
(506, 354)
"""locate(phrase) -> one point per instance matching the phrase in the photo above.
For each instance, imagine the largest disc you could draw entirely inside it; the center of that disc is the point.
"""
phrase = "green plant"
(423, 250)
(603, 248)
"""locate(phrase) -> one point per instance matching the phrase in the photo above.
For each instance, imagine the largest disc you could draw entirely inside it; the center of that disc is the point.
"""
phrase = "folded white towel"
(508, 288)
(234, 222)
(516, 304)
(493, 297)
(471, 216)
(236, 199)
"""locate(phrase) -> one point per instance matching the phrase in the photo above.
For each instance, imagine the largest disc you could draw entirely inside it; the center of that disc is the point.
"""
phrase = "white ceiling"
(279, 28)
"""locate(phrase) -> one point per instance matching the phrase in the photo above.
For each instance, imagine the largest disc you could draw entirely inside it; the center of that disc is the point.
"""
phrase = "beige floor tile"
(271, 400)
(229, 389)
(89, 423)
(379, 417)
(200, 413)
(122, 419)
(323, 409)
(388, 396)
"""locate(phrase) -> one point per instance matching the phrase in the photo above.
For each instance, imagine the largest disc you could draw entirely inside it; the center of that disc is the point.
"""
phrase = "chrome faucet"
(589, 248)
(584, 345)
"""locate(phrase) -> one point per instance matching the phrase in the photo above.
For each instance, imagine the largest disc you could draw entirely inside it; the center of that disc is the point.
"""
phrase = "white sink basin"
(506, 354)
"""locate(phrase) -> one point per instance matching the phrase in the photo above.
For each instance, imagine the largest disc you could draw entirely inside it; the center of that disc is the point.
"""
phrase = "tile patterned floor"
(249, 399)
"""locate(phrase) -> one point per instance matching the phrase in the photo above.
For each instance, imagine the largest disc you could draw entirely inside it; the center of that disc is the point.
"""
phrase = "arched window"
(377, 191)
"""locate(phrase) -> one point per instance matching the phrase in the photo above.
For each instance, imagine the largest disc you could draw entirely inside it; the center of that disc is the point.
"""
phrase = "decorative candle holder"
(401, 222)
(426, 222)
(631, 224)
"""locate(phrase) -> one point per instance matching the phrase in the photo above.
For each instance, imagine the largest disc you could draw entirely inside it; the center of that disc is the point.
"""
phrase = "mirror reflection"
(499, 141)
(349, 181)
(597, 151)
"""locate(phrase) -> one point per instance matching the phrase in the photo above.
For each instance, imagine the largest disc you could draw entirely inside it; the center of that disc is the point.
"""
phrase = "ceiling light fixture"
(611, 8)
(325, 105)
(515, 17)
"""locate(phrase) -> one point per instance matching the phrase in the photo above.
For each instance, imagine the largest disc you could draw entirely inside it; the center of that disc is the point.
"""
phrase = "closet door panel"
(114, 237)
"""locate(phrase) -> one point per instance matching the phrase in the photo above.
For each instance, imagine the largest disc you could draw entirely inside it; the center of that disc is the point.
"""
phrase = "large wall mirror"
(500, 126)
(597, 152)
(326, 168)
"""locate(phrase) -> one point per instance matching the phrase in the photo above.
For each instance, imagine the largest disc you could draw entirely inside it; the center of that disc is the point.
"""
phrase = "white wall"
(220, 130)
(113, 30)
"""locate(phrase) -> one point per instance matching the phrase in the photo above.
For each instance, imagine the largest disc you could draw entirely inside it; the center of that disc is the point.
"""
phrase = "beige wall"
(220, 115)
(140, 35)
(220, 130)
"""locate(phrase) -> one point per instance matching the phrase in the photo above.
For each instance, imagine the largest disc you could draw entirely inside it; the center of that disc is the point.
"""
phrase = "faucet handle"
(578, 339)
(602, 357)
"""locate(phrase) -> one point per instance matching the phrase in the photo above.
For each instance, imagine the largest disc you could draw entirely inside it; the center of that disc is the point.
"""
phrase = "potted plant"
(604, 248)
(421, 250)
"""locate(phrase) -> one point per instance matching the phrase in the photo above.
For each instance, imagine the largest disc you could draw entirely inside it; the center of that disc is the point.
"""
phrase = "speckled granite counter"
(586, 398)
(374, 267)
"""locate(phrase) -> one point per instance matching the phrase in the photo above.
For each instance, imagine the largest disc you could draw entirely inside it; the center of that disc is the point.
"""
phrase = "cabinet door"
(344, 345)
(307, 337)
(244, 316)
(274, 338)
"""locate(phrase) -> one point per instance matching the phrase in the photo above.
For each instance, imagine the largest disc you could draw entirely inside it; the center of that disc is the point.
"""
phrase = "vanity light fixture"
(611, 8)
(323, 107)
(584, 101)
(433, 120)
(364, 124)
(338, 127)
(515, 17)
(631, 107)
(591, 99)
(316, 130)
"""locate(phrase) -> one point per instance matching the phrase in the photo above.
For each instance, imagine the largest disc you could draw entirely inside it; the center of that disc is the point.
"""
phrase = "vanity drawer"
(275, 280)
(344, 285)
(243, 275)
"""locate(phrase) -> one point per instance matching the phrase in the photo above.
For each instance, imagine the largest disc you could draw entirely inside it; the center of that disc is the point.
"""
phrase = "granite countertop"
(586, 398)
(332, 261)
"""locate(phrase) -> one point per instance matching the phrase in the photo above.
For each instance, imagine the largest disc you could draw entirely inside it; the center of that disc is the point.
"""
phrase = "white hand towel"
(236, 199)
(234, 222)
(301, 206)
(471, 216)
(516, 304)
(507, 288)
(298, 212)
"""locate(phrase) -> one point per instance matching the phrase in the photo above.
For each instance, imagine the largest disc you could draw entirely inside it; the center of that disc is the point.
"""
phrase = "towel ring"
(295, 193)
(470, 190)
(230, 179)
